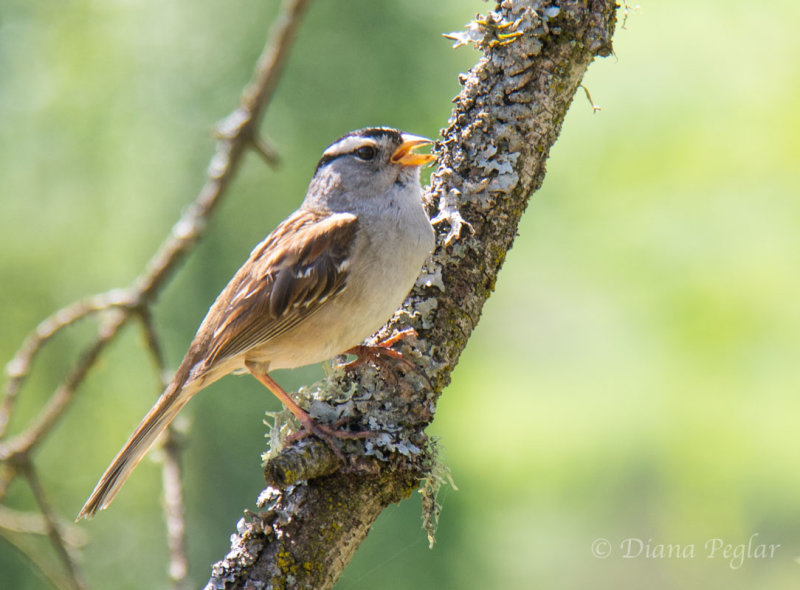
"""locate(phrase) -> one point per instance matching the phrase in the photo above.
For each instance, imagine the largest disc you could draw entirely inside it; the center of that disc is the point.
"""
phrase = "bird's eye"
(366, 152)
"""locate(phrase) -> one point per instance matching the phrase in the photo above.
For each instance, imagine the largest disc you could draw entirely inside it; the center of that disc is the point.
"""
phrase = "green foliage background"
(635, 375)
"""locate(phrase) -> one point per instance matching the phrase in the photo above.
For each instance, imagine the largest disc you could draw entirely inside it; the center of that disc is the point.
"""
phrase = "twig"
(19, 367)
(627, 10)
(174, 513)
(26, 522)
(595, 107)
(266, 150)
(54, 409)
(153, 345)
(51, 526)
(7, 475)
(44, 564)
(235, 134)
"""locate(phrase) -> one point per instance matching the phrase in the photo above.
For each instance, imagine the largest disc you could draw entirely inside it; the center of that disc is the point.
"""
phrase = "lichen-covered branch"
(491, 159)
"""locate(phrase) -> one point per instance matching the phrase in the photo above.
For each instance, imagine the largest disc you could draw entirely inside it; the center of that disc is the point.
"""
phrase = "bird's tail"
(177, 394)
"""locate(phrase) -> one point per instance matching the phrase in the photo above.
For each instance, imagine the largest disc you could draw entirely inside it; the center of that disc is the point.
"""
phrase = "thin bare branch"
(43, 563)
(33, 523)
(153, 345)
(236, 134)
(595, 107)
(52, 527)
(174, 512)
(19, 367)
(7, 474)
(267, 151)
(64, 393)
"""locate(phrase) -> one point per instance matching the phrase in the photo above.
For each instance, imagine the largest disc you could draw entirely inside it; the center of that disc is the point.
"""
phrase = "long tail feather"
(158, 418)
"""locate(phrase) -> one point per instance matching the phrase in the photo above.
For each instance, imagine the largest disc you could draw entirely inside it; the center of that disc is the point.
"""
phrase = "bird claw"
(379, 352)
(328, 435)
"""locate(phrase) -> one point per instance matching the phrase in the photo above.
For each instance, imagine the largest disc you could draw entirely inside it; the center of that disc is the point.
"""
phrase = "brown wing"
(287, 278)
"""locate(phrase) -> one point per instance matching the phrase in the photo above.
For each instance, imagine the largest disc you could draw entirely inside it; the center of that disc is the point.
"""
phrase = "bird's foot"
(381, 351)
(327, 434)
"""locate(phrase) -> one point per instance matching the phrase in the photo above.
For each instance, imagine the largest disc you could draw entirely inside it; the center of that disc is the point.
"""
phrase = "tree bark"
(491, 158)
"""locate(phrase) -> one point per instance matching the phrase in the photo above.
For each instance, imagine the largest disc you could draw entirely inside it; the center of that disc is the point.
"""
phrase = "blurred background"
(634, 377)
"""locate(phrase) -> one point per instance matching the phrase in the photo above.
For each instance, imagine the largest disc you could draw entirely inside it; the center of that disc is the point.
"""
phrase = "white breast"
(386, 259)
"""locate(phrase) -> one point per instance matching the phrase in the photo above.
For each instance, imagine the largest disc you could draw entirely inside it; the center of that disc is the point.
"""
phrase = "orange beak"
(405, 156)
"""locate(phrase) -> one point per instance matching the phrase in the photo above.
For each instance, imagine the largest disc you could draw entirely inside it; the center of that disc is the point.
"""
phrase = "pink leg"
(310, 426)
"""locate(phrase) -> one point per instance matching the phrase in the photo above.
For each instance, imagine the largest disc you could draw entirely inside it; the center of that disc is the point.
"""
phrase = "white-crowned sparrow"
(326, 278)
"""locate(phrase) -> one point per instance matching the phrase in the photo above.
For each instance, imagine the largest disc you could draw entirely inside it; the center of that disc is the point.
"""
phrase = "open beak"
(405, 156)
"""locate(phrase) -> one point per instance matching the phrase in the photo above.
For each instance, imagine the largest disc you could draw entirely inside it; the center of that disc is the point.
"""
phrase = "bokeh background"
(635, 375)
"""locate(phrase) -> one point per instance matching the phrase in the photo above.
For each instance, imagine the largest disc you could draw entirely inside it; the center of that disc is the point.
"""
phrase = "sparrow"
(326, 278)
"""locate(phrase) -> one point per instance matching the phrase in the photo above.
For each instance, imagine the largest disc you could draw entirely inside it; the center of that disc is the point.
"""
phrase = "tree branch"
(237, 133)
(491, 158)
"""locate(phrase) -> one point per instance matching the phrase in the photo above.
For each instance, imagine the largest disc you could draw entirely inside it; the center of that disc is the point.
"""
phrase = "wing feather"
(288, 277)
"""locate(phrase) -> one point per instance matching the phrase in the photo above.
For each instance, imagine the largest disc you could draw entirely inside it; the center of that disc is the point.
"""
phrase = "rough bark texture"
(491, 158)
